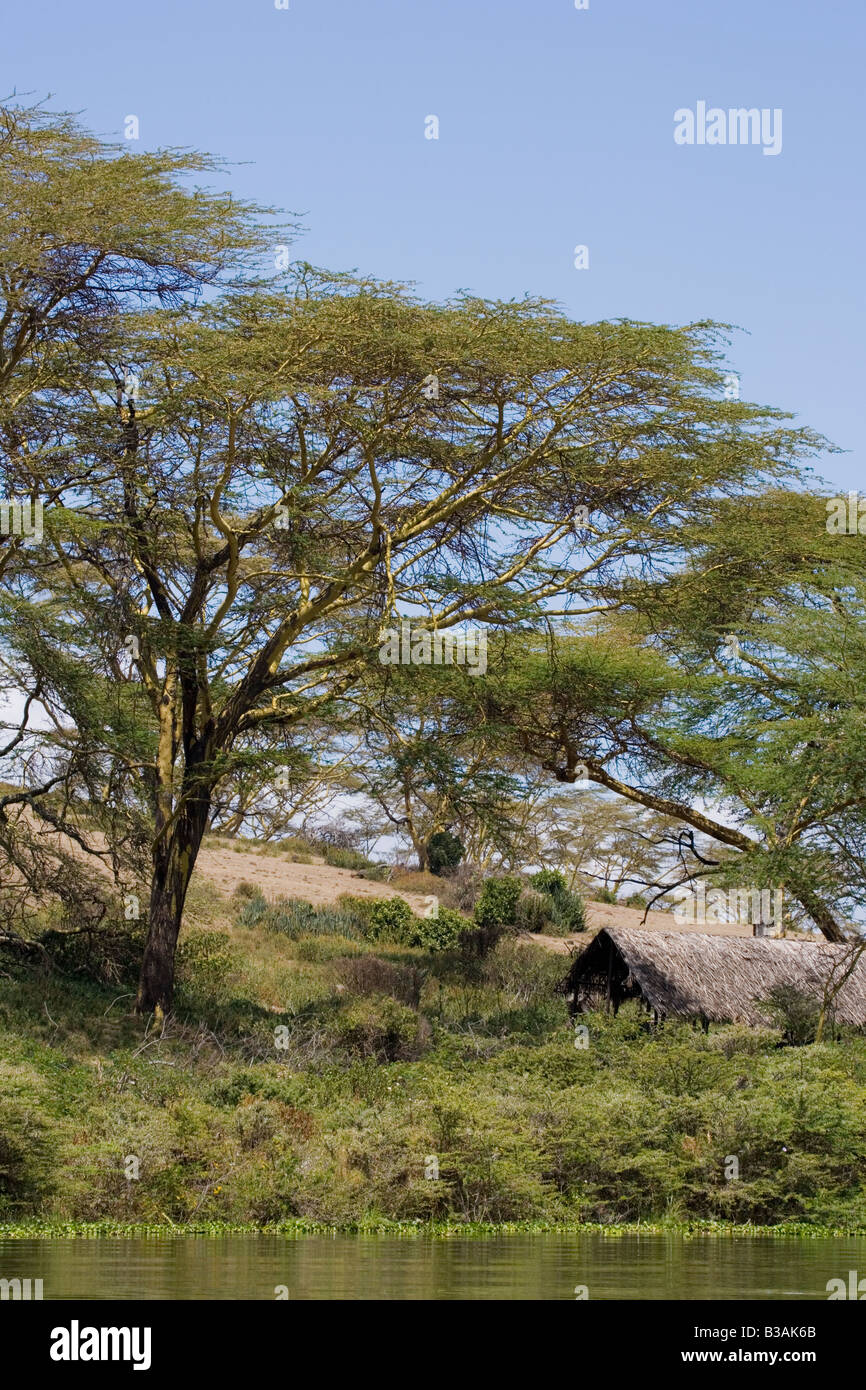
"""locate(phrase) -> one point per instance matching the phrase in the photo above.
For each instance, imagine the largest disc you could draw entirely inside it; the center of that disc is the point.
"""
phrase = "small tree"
(444, 852)
(837, 976)
(796, 1012)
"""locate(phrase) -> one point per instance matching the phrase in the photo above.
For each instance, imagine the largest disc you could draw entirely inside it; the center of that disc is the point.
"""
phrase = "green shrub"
(440, 933)
(796, 1013)
(295, 844)
(378, 873)
(569, 915)
(294, 917)
(525, 972)
(391, 919)
(549, 881)
(735, 1038)
(495, 909)
(357, 908)
(318, 949)
(566, 911)
(497, 902)
(206, 961)
(253, 910)
(444, 852)
(26, 1157)
(533, 911)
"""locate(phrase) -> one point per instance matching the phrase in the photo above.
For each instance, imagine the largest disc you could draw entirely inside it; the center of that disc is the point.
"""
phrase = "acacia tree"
(595, 838)
(425, 765)
(303, 467)
(727, 697)
(86, 232)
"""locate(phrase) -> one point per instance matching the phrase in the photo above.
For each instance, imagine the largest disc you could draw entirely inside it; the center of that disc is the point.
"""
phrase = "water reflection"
(543, 1266)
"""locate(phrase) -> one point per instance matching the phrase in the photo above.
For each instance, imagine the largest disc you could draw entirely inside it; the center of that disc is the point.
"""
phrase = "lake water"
(543, 1266)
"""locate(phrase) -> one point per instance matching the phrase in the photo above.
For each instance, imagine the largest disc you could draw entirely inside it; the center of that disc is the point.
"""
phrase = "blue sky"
(555, 128)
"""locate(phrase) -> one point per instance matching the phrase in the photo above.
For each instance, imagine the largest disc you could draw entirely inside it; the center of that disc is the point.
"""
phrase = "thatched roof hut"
(720, 979)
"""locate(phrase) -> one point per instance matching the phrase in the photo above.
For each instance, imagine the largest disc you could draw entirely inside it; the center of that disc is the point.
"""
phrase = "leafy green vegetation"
(346, 858)
(311, 1078)
(564, 908)
(297, 1227)
(496, 908)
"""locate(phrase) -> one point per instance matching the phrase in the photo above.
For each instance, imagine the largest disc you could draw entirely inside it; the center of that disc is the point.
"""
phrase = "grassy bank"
(316, 1080)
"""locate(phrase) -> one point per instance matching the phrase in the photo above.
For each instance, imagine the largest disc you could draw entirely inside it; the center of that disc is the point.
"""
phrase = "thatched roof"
(723, 979)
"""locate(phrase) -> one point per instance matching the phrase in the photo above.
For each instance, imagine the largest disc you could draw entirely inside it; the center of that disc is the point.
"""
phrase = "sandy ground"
(276, 877)
(600, 915)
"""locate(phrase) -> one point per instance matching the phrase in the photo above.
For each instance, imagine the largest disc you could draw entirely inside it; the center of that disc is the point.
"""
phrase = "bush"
(566, 911)
(345, 858)
(294, 917)
(318, 949)
(533, 912)
(253, 910)
(424, 883)
(357, 908)
(444, 852)
(297, 846)
(378, 873)
(206, 961)
(27, 1160)
(524, 971)
(795, 1012)
(381, 1028)
(370, 975)
(497, 903)
(605, 895)
(739, 1038)
(549, 881)
(109, 955)
(391, 919)
(440, 933)
(495, 910)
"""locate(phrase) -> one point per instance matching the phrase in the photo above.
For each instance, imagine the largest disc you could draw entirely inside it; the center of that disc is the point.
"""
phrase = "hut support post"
(609, 973)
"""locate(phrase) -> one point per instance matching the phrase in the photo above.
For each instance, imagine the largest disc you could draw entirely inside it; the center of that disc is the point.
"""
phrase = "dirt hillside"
(318, 883)
(225, 868)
